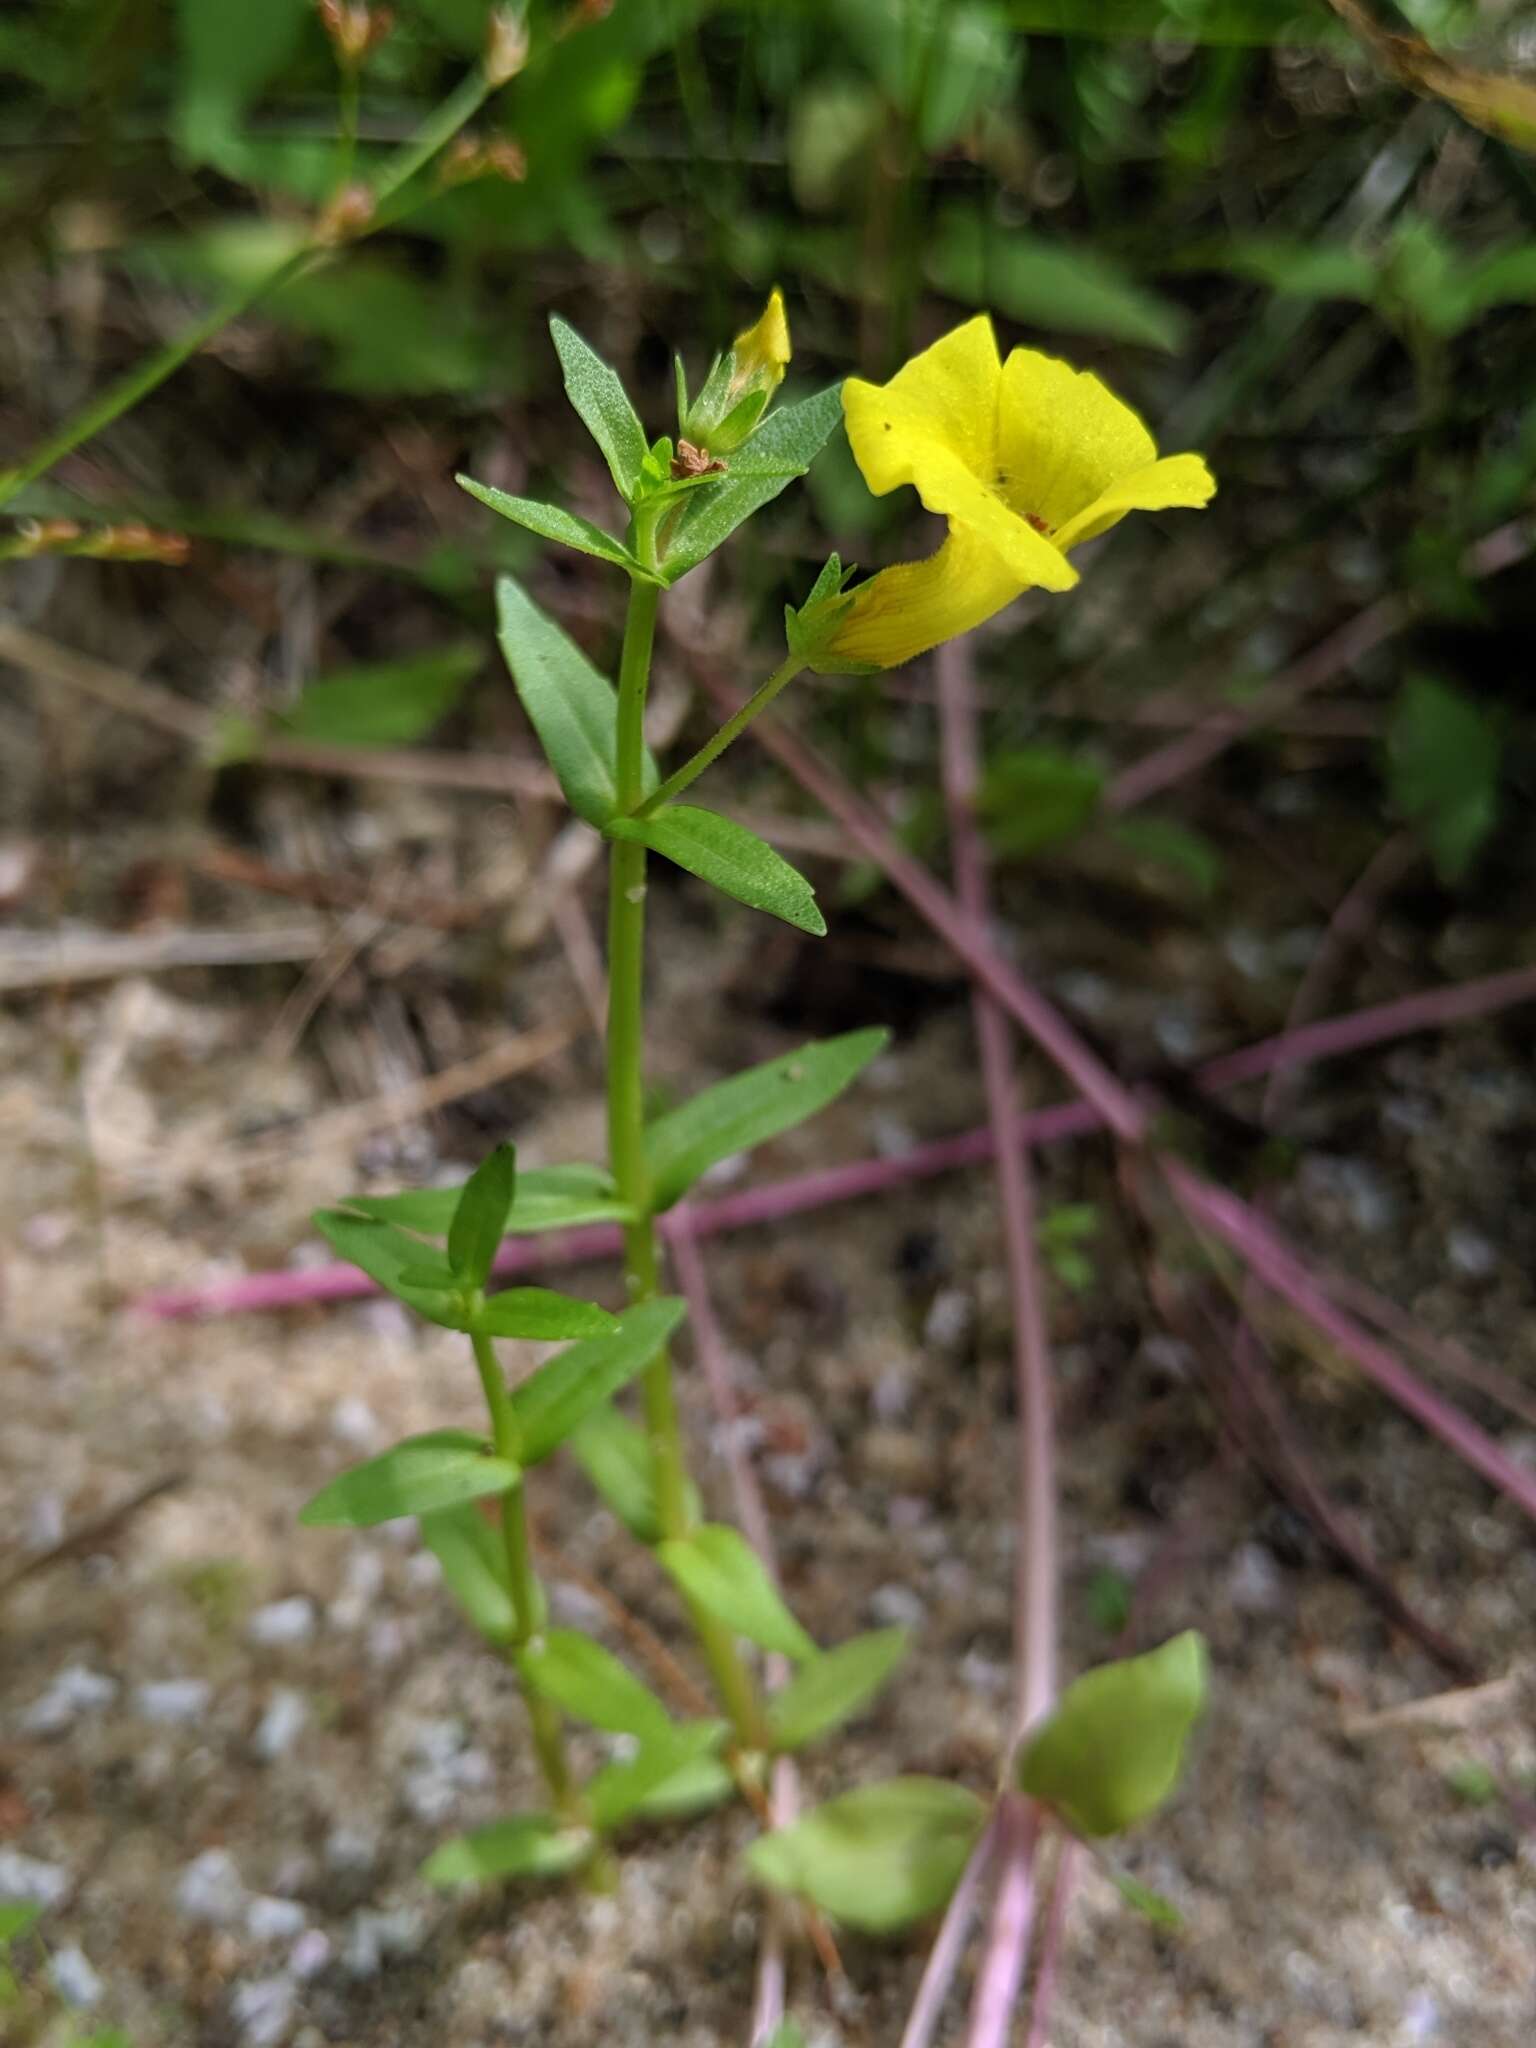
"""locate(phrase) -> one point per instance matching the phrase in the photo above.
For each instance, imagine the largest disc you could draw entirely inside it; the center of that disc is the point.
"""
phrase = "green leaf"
(1304, 270)
(228, 54)
(785, 2035)
(387, 1255)
(879, 1857)
(547, 1198)
(617, 1460)
(560, 1395)
(1047, 282)
(717, 1568)
(783, 448)
(553, 523)
(1150, 1904)
(1035, 796)
(679, 1760)
(474, 1567)
(480, 1217)
(540, 1316)
(697, 1787)
(438, 1470)
(384, 703)
(592, 1685)
(594, 389)
(18, 1917)
(574, 710)
(730, 858)
(1443, 770)
(751, 1108)
(830, 1689)
(1165, 843)
(531, 1845)
(1111, 1752)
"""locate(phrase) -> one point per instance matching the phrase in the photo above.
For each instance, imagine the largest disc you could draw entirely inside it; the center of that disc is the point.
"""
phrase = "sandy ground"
(227, 1743)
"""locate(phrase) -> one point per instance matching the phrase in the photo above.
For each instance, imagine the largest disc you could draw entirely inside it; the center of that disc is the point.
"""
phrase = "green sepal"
(783, 448)
(807, 630)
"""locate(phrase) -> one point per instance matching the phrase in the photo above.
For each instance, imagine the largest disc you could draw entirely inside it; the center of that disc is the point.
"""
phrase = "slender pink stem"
(1035, 1569)
(1007, 1949)
(1273, 1263)
(1340, 650)
(1050, 1945)
(949, 1944)
(1447, 1354)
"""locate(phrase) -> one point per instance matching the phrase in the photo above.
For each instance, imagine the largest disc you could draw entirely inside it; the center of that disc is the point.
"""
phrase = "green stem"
(347, 97)
(626, 1146)
(439, 128)
(715, 746)
(523, 1583)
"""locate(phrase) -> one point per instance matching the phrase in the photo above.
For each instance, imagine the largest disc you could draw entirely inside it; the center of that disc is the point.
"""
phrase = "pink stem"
(1272, 1262)
(1035, 1569)
(1007, 1950)
(949, 1944)
(1050, 1945)
(1340, 650)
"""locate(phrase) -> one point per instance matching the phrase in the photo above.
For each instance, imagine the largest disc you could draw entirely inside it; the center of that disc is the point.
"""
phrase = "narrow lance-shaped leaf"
(417, 1274)
(538, 1315)
(679, 1759)
(730, 858)
(552, 522)
(617, 1460)
(1111, 1752)
(473, 1561)
(547, 1198)
(591, 1684)
(561, 1394)
(532, 1845)
(594, 389)
(718, 1569)
(879, 1857)
(475, 1233)
(750, 1108)
(437, 1470)
(830, 1689)
(574, 710)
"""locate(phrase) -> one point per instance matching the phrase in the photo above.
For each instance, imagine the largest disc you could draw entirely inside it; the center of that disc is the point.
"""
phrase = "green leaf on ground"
(438, 1470)
(1111, 1751)
(730, 858)
(750, 1108)
(382, 703)
(1443, 769)
(877, 1858)
(1048, 282)
(717, 1568)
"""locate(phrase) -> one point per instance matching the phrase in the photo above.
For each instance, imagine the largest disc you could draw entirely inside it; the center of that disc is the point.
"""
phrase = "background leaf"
(473, 1561)
(383, 703)
(831, 1688)
(532, 1845)
(729, 858)
(1443, 771)
(1047, 283)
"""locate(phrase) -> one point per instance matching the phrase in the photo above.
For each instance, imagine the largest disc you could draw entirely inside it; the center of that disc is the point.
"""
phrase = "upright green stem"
(436, 131)
(522, 1580)
(626, 1146)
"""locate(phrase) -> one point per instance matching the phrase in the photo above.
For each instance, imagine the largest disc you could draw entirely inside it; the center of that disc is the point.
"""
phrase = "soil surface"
(228, 1743)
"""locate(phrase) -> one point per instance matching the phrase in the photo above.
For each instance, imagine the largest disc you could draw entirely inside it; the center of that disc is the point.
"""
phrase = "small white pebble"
(268, 1919)
(28, 1879)
(897, 1606)
(264, 2011)
(282, 1723)
(73, 1978)
(71, 1692)
(309, 1955)
(210, 1889)
(172, 1700)
(354, 1422)
(282, 1623)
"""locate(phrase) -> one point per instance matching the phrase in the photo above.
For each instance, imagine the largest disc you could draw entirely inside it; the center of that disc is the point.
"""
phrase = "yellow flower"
(760, 353)
(1026, 459)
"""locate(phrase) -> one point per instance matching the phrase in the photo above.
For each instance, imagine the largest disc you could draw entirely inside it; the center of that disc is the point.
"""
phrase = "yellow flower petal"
(761, 352)
(1062, 438)
(932, 427)
(1176, 481)
(903, 611)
